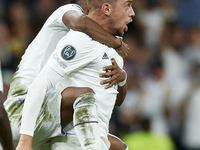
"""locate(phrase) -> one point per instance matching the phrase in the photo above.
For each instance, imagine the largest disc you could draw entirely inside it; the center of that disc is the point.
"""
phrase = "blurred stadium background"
(161, 109)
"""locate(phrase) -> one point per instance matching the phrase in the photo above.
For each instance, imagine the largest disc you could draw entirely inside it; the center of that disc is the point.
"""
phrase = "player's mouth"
(126, 26)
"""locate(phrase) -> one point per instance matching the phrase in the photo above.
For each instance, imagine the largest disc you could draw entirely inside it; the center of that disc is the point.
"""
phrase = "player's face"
(121, 15)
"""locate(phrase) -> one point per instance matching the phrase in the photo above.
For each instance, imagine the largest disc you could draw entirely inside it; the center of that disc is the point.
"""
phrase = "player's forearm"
(33, 103)
(80, 22)
(121, 95)
(5, 131)
(96, 32)
(31, 109)
(46, 79)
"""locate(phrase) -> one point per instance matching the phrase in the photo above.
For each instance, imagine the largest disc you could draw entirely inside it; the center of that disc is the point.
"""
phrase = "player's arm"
(115, 73)
(122, 89)
(119, 76)
(46, 79)
(5, 131)
(80, 22)
(121, 95)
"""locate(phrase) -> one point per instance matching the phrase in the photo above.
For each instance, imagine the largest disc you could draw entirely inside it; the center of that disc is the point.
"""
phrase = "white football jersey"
(1, 80)
(77, 61)
(80, 60)
(40, 49)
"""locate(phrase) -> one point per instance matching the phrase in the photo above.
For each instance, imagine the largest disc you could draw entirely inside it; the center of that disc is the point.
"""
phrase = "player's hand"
(123, 50)
(23, 147)
(25, 142)
(115, 74)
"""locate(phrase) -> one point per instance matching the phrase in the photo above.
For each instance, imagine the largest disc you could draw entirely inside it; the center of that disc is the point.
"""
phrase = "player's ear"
(106, 8)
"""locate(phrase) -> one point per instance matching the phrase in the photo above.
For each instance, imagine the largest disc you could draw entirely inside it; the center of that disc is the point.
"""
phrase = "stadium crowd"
(163, 68)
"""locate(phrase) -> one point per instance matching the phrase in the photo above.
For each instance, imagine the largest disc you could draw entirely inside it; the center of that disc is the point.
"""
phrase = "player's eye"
(128, 4)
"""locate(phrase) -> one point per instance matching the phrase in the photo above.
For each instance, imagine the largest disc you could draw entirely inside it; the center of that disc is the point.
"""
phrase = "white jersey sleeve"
(73, 52)
(1, 80)
(70, 7)
(55, 23)
(40, 49)
(35, 96)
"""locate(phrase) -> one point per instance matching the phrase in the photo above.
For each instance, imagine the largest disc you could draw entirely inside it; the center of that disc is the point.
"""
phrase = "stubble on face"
(120, 16)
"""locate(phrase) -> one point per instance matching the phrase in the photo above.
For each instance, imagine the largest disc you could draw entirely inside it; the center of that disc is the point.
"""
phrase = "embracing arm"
(121, 95)
(119, 76)
(80, 22)
(5, 131)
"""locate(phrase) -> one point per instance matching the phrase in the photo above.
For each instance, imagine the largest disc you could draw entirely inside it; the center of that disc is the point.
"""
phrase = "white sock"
(86, 121)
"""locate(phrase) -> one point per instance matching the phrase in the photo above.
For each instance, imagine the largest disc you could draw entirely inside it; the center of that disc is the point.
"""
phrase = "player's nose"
(132, 12)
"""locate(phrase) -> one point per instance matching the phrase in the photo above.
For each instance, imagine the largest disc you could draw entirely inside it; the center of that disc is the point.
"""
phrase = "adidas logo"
(105, 56)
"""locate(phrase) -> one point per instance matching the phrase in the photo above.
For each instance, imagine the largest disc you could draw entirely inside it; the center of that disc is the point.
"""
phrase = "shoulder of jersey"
(80, 36)
(78, 7)
(72, 6)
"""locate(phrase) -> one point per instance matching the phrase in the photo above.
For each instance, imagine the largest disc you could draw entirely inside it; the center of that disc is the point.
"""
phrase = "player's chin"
(125, 29)
(121, 32)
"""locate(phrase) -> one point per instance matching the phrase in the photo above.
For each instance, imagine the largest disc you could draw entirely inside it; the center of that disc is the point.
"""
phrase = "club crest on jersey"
(68, 52)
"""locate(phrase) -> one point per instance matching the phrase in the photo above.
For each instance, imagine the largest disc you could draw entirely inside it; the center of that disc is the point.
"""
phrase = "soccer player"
(43, 45)
(57, 26)
(77, 61)
(5, 132)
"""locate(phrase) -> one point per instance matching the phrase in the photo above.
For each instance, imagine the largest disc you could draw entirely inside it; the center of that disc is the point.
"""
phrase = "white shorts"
(71, 142)
(48, 134)
(48, 123)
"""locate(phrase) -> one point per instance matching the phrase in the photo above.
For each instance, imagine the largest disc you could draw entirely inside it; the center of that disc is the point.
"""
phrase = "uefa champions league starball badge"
(68, 52)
